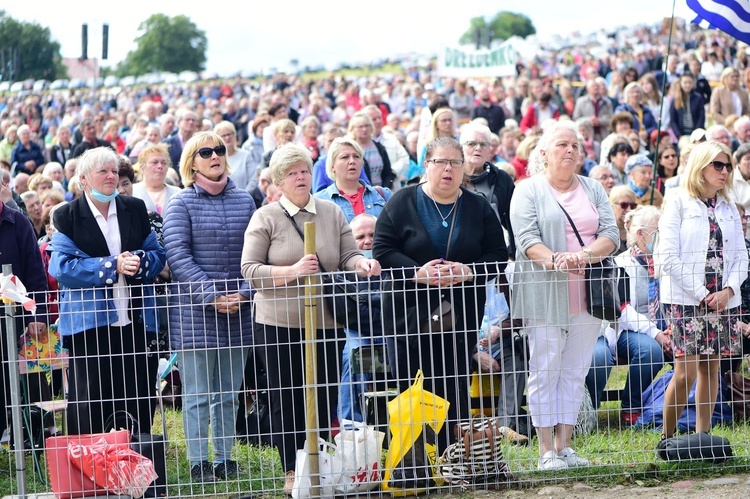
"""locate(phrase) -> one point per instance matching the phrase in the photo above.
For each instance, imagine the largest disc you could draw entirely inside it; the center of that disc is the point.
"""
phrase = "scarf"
(654, 304)
(213, 187)
(638, 192)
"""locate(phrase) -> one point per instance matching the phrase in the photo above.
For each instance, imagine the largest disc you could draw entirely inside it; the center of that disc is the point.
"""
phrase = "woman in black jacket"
(377, 166)
(441, 245)
(687, 110)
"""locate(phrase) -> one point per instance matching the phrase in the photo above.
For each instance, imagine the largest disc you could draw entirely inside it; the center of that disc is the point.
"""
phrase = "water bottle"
(484, 332)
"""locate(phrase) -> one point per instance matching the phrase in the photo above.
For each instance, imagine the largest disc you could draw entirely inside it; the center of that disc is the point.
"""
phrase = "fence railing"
(231, 388)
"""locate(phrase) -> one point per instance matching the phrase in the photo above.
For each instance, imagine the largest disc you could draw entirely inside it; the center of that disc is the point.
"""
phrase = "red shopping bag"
(66, 480)
(115, 467)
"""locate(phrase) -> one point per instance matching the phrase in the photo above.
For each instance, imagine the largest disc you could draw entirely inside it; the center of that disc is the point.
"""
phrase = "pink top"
(584, 215)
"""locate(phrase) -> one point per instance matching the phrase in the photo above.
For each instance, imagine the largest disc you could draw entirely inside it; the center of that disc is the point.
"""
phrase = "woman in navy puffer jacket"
(209, 314)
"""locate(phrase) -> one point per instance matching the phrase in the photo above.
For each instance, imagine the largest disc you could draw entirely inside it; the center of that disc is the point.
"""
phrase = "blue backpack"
(653, 406)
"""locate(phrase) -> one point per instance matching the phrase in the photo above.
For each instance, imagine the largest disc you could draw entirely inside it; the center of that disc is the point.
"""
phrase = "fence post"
(15, 387)
(311, 405)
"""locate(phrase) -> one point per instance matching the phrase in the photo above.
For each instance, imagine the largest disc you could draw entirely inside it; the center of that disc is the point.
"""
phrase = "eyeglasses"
(652, 234)
(472, 144)
(207, 152)
(627, 205)
(720, 165)
(442, 163)
(606, 176)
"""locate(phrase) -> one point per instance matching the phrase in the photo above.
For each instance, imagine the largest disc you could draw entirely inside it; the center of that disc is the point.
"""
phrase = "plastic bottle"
(484, 332)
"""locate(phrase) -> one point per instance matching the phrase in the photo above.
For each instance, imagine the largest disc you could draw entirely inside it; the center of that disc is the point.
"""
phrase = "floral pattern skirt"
(698, 330)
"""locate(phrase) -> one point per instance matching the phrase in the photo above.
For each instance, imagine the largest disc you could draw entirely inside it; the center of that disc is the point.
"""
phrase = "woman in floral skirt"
(704, 262)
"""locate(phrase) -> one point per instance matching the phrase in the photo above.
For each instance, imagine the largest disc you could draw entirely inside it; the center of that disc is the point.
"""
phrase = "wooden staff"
(311, 405)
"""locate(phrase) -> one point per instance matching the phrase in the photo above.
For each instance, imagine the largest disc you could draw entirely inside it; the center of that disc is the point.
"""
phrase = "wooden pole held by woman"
(311, 406)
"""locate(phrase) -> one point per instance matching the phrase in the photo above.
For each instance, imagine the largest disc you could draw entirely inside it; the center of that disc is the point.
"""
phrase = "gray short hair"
(471, 128)
(95, 157)
(285, 156)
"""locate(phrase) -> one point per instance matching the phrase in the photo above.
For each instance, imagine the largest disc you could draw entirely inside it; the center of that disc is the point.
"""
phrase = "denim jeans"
(211, 379)
(352, 385)
(645, 359)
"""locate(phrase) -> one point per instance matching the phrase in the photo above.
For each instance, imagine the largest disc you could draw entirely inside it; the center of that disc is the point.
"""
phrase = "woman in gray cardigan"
(548, 284)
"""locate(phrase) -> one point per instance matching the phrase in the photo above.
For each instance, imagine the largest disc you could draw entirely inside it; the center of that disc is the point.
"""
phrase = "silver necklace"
(445, 224)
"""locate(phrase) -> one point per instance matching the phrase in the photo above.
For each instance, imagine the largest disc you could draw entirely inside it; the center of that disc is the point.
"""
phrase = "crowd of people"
(170, 219)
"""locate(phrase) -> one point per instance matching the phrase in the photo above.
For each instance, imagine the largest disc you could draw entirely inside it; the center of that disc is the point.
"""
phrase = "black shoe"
(202, 473)
(228, 470)
(661, 448)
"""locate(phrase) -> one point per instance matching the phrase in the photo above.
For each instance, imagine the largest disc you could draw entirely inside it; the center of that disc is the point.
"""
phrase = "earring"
(546, 164)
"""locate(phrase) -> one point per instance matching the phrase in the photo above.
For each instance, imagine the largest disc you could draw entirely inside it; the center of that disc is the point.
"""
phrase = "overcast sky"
(252, 35)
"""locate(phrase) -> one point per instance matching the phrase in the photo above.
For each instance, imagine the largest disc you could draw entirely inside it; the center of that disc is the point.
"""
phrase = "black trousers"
(281, 351)
(110, 370)
(443, 358)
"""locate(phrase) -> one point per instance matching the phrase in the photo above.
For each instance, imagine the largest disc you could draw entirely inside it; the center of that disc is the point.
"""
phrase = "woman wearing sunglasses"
(623, 201)
(703, 264)
(210, 321)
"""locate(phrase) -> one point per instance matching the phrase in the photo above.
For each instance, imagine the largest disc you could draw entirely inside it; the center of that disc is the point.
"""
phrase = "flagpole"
(655, 170)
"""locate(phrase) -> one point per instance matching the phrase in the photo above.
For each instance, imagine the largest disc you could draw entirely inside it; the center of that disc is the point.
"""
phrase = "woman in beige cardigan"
(274, 263)
(729, 98)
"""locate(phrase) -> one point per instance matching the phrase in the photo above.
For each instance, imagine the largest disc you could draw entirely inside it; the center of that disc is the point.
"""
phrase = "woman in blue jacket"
(104, 256)
(344, 166)
(209, 316)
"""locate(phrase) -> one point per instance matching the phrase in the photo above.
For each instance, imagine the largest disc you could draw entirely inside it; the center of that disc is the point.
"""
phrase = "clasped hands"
(440, 272)
(574, 263)
(228, 304)
(128, 263)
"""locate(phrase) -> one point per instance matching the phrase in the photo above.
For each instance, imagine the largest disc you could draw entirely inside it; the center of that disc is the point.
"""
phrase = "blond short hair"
(187, 160)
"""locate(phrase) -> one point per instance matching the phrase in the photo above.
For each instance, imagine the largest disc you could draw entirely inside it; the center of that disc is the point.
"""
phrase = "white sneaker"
(551, 462)
(571, 458)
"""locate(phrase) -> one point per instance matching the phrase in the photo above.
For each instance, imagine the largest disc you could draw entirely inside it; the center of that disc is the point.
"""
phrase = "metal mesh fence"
(420, 392)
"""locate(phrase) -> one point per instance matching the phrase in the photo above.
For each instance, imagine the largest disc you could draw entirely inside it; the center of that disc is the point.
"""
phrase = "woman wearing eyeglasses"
(209, 315)
(549, 293)
(703, 264)
(442, 244)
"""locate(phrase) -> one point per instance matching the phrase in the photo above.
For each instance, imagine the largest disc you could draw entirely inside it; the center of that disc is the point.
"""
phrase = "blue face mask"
(650, 246)
(101, 197)
(367, 253)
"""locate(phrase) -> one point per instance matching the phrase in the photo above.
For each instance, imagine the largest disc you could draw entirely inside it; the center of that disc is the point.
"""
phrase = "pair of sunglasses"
(207, 152)
(624, 205)
(720, 165)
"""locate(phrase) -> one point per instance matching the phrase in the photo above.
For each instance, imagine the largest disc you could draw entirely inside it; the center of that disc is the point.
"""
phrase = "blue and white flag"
(730, 16)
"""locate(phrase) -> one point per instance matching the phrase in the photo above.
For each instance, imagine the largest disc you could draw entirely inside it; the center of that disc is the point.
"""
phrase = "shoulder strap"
(301, 234)
(380, 191)
(572, 225)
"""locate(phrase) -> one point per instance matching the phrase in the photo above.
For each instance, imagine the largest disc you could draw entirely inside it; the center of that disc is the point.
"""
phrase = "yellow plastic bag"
(416, 416)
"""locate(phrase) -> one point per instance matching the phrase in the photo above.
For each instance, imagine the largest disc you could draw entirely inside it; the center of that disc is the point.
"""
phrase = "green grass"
(619, 456)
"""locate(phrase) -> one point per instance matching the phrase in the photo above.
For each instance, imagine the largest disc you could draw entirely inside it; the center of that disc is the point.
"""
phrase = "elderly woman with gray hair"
(640, 172)
(103, 252)
(549, 290)
(275, 264)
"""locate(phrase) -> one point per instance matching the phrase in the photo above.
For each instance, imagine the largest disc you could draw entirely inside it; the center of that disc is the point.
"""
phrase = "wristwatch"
(588, 251)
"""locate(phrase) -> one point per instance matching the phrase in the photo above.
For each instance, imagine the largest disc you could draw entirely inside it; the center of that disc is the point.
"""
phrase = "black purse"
(601, 283)
(695, 447)
(153, 447)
